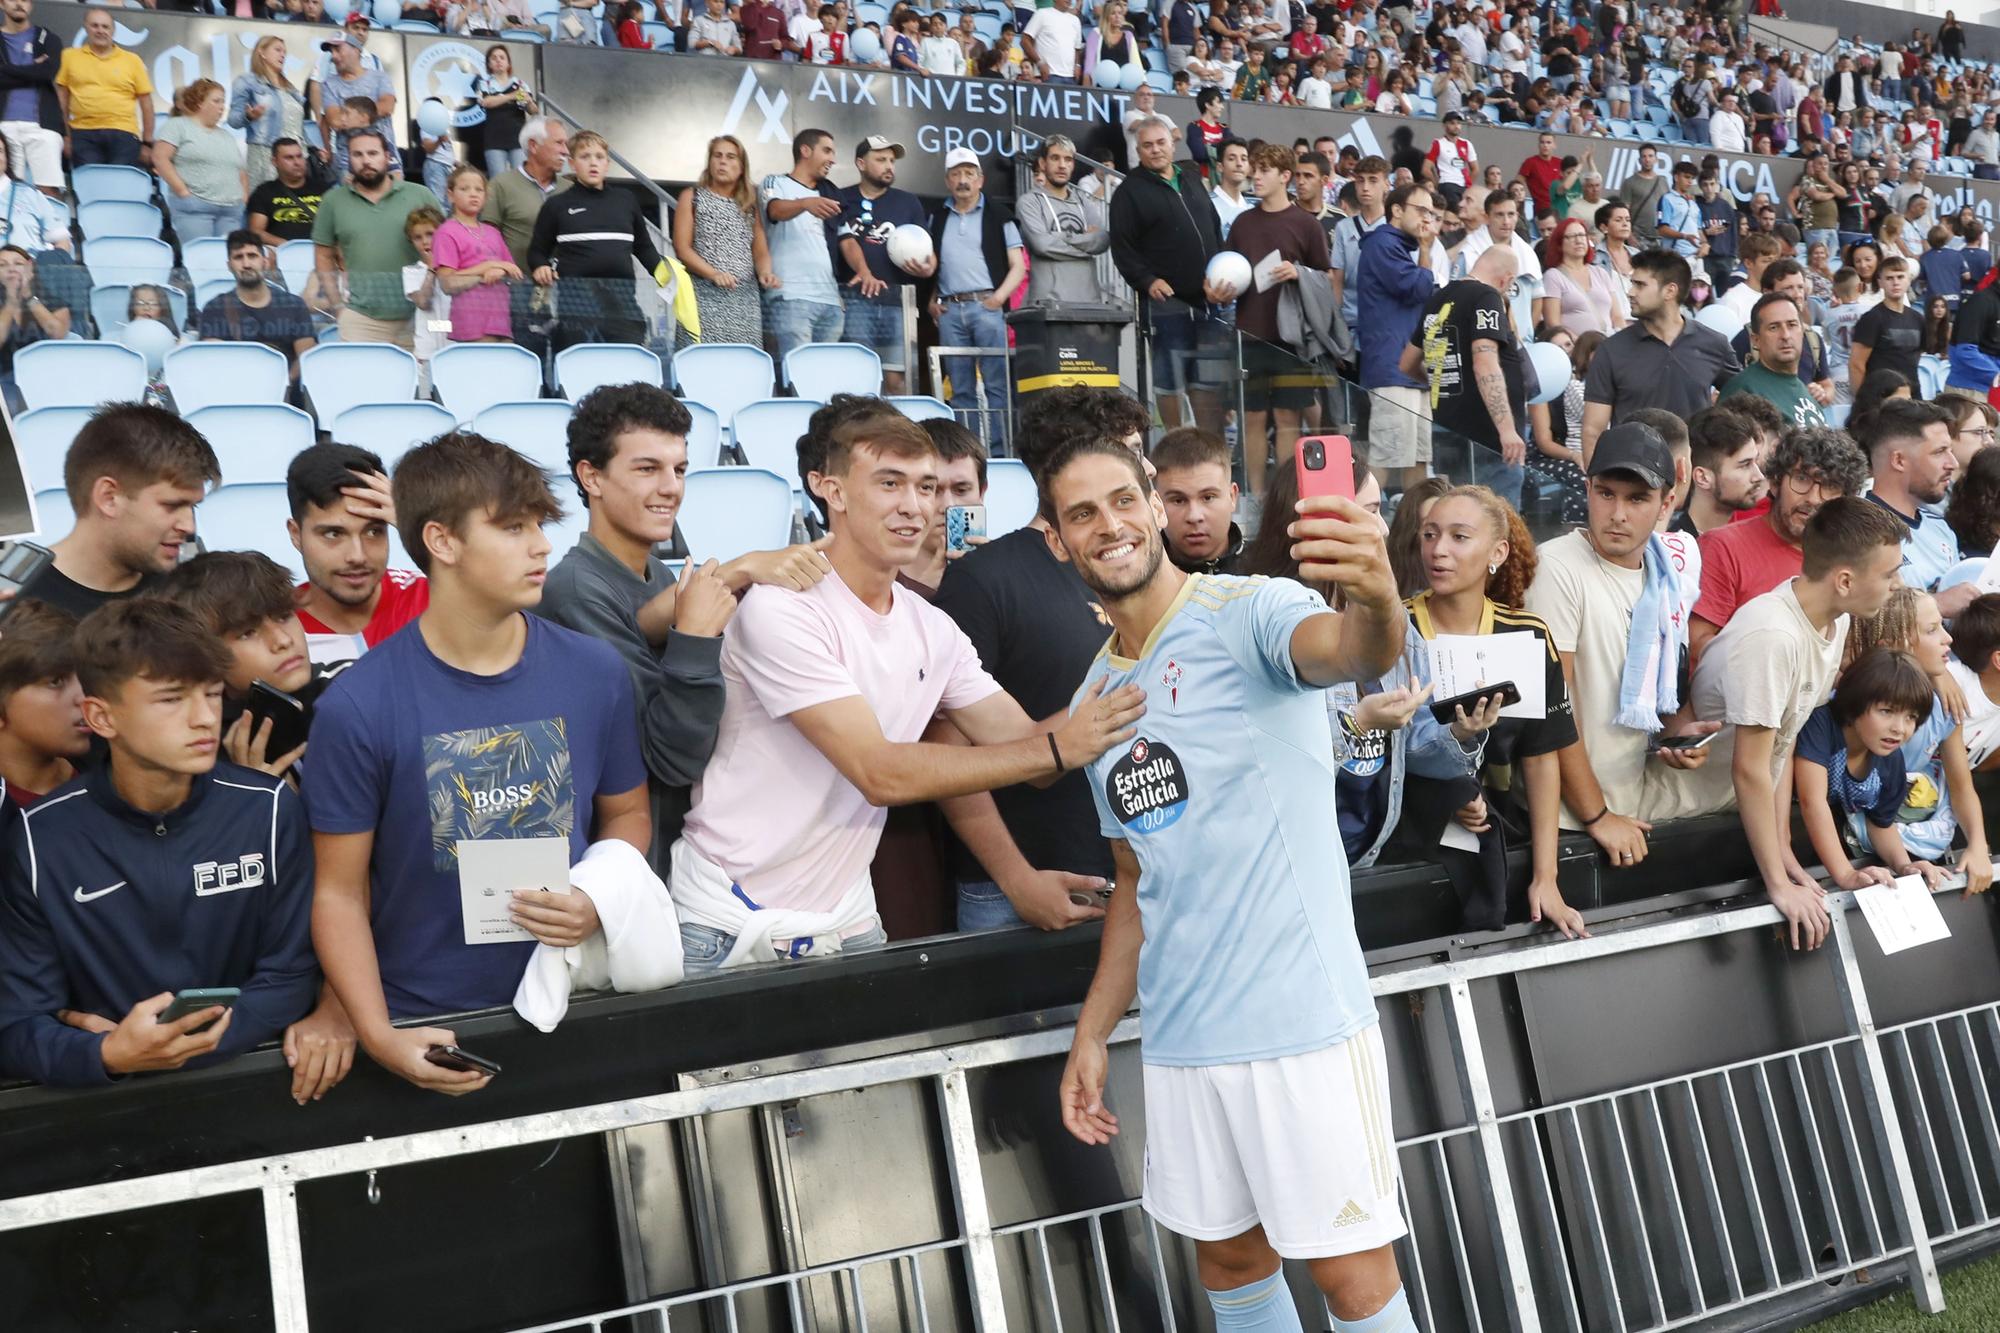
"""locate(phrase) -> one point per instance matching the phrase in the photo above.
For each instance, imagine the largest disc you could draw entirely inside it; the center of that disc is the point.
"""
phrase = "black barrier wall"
(660, 110)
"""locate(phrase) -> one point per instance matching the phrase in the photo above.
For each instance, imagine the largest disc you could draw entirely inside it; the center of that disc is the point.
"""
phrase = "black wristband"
(1061, 767)
(1599, 815)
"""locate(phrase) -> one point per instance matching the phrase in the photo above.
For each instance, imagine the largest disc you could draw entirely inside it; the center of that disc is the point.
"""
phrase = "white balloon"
(150, 339)
(1133, 75)
(1107, 74)
(1721, 318)
(433, 117)
(909, 244)
(388, 12)
(867, 47)
(1552, 369)
(1231, 270)
(338, 10)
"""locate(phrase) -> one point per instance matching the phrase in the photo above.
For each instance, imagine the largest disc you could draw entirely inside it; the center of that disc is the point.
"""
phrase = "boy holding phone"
(154, 871)
(245, 599)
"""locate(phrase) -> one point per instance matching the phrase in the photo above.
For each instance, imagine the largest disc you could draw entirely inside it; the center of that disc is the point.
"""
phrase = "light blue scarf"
(1652, 649)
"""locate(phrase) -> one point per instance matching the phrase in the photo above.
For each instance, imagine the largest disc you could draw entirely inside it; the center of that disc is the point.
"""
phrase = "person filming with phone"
(157, 909)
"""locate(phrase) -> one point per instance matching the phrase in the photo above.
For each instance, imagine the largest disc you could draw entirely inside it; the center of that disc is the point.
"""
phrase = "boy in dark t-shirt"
(1891, 336)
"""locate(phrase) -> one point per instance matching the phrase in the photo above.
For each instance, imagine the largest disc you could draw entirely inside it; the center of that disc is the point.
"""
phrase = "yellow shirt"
(103, 90)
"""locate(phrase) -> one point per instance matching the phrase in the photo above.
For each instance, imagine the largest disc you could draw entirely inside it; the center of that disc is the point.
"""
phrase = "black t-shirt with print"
(1895, 339)
(1458, 315)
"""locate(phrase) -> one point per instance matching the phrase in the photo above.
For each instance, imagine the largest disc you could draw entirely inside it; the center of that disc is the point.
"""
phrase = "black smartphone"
(1687, 742)
(194, 1000)
(290, 719)
(457, 1057)
(21, 563)
(1445, 710)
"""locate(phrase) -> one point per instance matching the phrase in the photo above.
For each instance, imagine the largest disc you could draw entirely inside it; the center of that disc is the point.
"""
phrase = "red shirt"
(763, 28)
(1740, 561)
(405, 594)
(1540, 173)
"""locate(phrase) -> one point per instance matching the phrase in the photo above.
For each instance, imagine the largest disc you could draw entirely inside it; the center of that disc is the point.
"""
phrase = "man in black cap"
(872, 283)
(1610, 596)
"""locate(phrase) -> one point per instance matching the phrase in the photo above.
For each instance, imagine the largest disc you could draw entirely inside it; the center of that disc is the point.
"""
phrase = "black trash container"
(1066, 344)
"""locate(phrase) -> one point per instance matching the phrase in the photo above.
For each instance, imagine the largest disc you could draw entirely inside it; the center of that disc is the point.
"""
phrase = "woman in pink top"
(473, 263)
(1576, 294)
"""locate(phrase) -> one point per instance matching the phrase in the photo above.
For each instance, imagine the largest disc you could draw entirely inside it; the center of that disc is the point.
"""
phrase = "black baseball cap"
(1636, 449)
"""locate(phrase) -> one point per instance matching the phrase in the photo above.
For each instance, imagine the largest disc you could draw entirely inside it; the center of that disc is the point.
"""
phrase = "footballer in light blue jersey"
(1225, 797)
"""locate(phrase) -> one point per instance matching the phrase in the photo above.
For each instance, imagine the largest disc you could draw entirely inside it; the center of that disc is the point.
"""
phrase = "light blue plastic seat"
(93, 184)
(295, 265)
(468, 378)
(206, 373)
(254, 442)
(704, 435)
(128, 259)
(390, 430)
(43, 436)
(732, 511)
(588, 366)
(537, 428)
(118, 217)
(249, 517)
(724, 375)
(821, 370)
(766, 433)
(54, 519)
(339, 375)
(205, 258)
(922, 407)
(77, 373)
(1011, 498)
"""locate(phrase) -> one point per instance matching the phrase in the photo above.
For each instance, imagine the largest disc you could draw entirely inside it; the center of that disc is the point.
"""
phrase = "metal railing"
(1607, 1211)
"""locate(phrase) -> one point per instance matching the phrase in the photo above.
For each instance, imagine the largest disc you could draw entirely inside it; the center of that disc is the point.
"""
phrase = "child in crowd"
(473, 264)
(1975, 646)
(828, 46)
(1849, 761)
(1838, 326)
(1315, 90)
(420, 283)
(43, 736)
(1941, 803)
(440, 161)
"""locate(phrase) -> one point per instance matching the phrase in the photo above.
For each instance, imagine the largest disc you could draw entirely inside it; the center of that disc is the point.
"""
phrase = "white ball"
(1553, 370)
(1107, 74)
(150, 339)
(909, 244)
(1231, 270)
(433, 117)
(1133, 75)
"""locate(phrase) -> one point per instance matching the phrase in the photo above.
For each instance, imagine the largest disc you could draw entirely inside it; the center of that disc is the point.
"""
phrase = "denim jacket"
(268, 128)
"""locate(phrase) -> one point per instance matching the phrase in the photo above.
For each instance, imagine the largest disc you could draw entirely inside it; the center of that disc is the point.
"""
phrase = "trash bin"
(1066, 344)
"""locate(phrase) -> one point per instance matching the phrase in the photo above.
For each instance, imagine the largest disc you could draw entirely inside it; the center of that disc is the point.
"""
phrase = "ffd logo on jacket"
(213, 877)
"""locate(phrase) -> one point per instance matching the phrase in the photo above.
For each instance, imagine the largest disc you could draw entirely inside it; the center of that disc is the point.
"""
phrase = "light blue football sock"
(1261, 1307)
(1395, 1317)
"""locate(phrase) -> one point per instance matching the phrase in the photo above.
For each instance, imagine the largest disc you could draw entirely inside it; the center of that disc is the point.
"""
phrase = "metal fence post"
(286, 1254)
(1496, 1188)
(1880, 1102)
(968, 1188)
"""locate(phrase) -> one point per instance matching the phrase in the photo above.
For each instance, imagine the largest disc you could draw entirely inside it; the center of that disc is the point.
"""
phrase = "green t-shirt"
(373, 248)
(1787, 393)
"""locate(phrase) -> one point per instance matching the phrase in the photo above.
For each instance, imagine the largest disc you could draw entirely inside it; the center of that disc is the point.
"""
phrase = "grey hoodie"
(1063, 237)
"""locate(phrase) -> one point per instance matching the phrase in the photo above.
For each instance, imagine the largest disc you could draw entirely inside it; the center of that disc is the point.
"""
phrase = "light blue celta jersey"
(1226, 797)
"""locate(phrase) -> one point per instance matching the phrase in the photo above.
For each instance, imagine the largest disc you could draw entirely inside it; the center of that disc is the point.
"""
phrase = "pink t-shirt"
(771, 810)
(1740, 561)
(477, 312)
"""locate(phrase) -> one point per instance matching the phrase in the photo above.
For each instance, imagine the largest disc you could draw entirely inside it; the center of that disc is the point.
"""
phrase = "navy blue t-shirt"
(1878, 796)
(424, 755)
(870, 221)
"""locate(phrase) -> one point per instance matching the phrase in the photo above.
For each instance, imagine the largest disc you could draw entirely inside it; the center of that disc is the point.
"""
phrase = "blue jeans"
(971, 324)
(498, 160)
(705, 947)
(91, 148)
(1695, 131)
(195, 217)
(796, 323)
(1504, 480)
(981, 906)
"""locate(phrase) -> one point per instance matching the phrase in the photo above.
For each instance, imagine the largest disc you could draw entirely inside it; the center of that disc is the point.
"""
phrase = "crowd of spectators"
(1772, 481)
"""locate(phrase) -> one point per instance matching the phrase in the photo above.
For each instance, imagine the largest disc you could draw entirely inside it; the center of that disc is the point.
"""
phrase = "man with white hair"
(514, 198)
(1466, 351)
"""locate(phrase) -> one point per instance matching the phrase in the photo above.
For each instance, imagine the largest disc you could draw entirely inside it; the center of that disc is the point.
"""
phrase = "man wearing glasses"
(1740, 561)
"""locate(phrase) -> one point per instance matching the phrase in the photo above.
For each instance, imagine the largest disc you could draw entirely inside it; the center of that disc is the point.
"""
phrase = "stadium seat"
(248, 517)
(538, 428)
(95, 183)
(205, 373)
(254, 442)
(337, 376)
(564, 532)
(207, 291)
(821, 370)
(109, 302)
(468, 378)
(1011, 499)
(205, 258)
(75, 373)
(704, 435)
(723, 375)
(391, 429)
(128, 259)
(766, 433)
(43, 437)
(731, 511)
(118, 217)
(661, 35)
(920, 407)
(295, 265)
(53, 517)
(590, 366)
(1931, 372)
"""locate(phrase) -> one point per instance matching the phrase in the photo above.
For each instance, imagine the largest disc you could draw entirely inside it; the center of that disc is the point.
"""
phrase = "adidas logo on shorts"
(1351, 1214)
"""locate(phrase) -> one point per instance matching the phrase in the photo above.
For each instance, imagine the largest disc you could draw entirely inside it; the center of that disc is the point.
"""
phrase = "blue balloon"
(150, 339)
(1108, 74)
(1553, 369)
(388, 12)
(433, 117)
(338, 10)
(1133, 77)
(867, 47)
